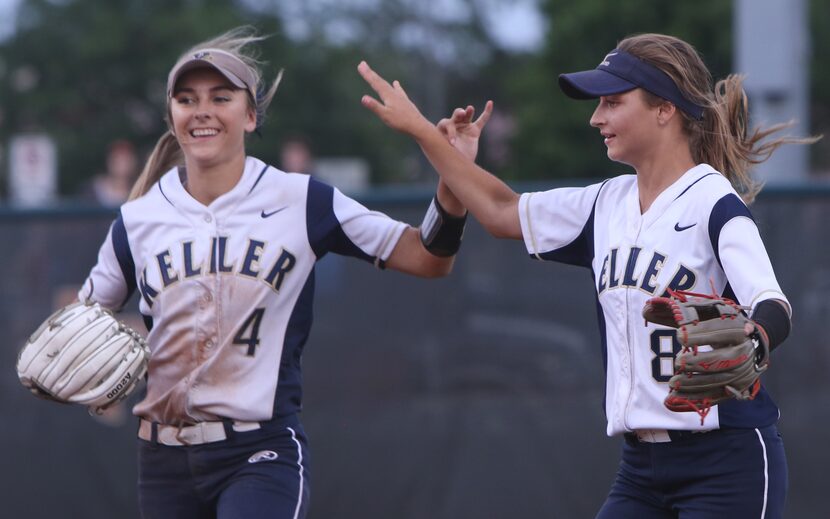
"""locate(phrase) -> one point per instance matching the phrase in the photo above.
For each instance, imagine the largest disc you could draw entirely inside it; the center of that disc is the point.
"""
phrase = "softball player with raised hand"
(221, 248)
(679, 223)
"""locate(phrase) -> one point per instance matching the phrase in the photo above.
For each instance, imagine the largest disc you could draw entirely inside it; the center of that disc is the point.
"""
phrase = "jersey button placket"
(624, 387)
(633, 236)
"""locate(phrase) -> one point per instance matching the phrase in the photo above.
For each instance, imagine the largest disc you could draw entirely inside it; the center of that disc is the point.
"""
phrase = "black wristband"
(774, 319)
(441, 232)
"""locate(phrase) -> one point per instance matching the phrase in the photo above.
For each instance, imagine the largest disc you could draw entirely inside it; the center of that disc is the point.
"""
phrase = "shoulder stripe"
(121, 246)
(580, 251)
(325, 233)
(725, 209)
(261, 173)
(693, 183)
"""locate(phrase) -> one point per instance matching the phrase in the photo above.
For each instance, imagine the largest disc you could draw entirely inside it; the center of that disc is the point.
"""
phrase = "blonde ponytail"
(727, 144)
(167, 154)
(722, 138)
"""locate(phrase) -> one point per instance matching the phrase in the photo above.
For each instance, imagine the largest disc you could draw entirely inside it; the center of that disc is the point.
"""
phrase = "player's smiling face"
(210, 118)
(628, 125)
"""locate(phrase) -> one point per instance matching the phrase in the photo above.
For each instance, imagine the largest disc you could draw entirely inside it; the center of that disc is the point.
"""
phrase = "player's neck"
(206, 183)
(659, 172)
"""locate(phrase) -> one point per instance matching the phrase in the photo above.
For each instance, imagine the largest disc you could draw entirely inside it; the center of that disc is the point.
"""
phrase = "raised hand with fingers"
(394, 108)
(451, 149)
(462, 131)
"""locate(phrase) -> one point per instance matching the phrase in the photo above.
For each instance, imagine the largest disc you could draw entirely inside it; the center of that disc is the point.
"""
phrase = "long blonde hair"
(167, 153)
(722, 138)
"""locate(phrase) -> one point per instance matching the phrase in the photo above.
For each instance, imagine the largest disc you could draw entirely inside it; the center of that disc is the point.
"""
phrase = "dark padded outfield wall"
(478, 395)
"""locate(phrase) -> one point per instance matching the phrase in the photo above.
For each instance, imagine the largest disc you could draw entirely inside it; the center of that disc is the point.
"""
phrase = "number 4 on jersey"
(251, 328)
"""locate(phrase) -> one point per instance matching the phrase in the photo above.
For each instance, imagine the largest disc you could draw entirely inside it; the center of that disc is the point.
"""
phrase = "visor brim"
(591, 84)
(199, 64)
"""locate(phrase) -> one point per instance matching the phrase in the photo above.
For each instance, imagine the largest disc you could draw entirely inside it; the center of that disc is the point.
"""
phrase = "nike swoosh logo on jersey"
(272, 213)
(678, 228)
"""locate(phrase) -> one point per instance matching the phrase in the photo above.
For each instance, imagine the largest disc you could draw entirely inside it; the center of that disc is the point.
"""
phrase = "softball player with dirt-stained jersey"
(221, 249)
(679, 223)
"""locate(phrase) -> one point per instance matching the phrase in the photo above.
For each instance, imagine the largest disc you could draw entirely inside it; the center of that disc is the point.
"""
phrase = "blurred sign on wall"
(33, 170)
(772, 50)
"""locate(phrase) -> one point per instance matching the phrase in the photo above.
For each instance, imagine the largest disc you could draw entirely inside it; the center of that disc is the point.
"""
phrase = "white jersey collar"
(671, 193)
(174, 191)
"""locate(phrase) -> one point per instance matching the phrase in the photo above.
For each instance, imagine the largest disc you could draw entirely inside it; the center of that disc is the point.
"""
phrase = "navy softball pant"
(251, 475)
(726, 473)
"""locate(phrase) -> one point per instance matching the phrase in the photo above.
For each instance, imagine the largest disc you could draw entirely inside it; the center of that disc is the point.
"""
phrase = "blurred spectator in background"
(295, 155)
(348, 174)
(112, 187)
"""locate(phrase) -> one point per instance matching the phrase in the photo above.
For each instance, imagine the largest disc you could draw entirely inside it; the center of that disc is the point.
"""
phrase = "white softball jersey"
(226, 290)
(698, 235)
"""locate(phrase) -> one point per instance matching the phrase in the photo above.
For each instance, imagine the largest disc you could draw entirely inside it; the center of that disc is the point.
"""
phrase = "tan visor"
(239, 74)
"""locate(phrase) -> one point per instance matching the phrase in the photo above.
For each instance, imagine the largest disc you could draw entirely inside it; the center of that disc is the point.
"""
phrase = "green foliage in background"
(88, 72)
(91, 71)
(555, 139)
(98, 70)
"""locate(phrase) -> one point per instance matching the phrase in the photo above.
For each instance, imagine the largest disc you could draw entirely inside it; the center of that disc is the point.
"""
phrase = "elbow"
(496, 228)
(437, 268)
(499, 232)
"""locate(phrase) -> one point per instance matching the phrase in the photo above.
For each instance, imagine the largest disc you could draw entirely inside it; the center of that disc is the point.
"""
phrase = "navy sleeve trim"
(580, 251)
(121, 247)
(725, 209)
(324, 231)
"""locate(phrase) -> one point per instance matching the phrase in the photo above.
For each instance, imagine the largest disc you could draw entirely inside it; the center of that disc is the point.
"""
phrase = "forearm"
(410, 257)
(490, 200)
(448, 200)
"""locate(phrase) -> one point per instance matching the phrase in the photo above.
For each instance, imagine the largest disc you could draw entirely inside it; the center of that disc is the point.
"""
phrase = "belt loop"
(154, 434)
(228, 425)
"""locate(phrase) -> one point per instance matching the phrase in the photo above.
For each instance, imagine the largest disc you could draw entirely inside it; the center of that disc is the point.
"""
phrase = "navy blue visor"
(620, 72)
